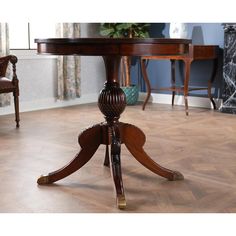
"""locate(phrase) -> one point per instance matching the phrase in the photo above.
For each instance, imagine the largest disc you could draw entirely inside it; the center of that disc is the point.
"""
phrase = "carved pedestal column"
(112, 103)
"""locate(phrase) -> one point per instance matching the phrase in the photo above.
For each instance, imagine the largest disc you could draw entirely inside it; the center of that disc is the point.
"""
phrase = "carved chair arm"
(4, 61)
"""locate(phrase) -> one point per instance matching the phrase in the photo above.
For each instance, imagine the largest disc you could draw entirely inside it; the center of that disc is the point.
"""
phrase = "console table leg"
(173, 81)
(186, 82)
(146, 80)
(89, 140)
(215, 66)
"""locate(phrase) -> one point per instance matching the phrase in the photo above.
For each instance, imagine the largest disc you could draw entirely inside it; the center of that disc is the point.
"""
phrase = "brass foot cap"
(178, 176)
(121, 203)
(43, 179)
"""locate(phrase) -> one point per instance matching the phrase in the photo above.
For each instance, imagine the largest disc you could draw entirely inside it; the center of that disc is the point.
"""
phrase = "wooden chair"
(10, 85)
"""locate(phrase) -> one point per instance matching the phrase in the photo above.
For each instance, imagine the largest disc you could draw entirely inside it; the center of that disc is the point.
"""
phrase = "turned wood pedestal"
(111, 103)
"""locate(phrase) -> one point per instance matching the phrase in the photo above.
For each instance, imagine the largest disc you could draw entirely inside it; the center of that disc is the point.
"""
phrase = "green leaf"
(123, 29)
(124, 26)
(107, 32)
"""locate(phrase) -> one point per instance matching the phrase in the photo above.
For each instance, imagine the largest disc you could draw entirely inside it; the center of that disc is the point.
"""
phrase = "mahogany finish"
(111, 103)
(112, 46)
(10, 85)
(195, 52)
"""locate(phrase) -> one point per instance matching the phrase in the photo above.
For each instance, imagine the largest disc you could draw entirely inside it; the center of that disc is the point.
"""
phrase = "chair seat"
(6, 84)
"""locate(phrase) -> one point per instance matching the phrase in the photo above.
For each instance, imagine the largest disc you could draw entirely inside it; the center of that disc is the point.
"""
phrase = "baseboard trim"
(90, 98)
(48, 104)
(179, 100)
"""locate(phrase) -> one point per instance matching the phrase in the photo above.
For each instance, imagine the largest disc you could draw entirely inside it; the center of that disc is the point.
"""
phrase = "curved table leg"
(146, 80)
(106, 160)
(134, 140)
(116, 167)
(89, 141)
(215, 65)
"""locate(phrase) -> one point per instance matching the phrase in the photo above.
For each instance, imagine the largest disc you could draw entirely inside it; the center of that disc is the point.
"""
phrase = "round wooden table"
(111, 103)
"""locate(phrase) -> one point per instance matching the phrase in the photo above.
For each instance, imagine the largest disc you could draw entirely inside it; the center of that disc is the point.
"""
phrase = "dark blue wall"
(159, 70)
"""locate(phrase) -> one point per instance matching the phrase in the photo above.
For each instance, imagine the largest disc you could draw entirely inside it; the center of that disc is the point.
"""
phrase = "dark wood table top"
(112, 46)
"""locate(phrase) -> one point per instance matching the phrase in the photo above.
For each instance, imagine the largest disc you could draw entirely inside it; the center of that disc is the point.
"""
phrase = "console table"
(195, 52)
(111, 103)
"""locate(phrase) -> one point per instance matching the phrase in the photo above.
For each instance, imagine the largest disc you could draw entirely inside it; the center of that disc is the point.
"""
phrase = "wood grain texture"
(201, 146)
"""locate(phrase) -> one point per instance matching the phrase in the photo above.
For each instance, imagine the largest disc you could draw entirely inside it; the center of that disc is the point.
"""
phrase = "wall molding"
(48, 104)
(30, 54)
(90, 98)
(179, 100)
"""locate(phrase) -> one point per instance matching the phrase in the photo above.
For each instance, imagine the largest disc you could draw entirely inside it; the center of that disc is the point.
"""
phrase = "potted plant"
(128, 30)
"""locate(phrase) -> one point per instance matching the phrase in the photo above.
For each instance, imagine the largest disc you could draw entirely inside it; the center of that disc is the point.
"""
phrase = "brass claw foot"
(121, 203)
(43, 179)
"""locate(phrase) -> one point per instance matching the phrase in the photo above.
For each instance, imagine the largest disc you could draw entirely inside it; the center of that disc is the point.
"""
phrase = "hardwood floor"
(201, 146)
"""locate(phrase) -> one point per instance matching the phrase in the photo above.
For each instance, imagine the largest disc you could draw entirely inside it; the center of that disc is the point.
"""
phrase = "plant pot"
(131, 93)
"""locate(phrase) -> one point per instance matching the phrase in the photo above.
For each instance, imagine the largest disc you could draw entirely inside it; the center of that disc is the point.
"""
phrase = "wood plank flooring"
(201, 146)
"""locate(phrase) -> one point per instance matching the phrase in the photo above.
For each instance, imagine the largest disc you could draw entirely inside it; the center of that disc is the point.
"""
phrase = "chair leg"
(173, 81)
(17, 115)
